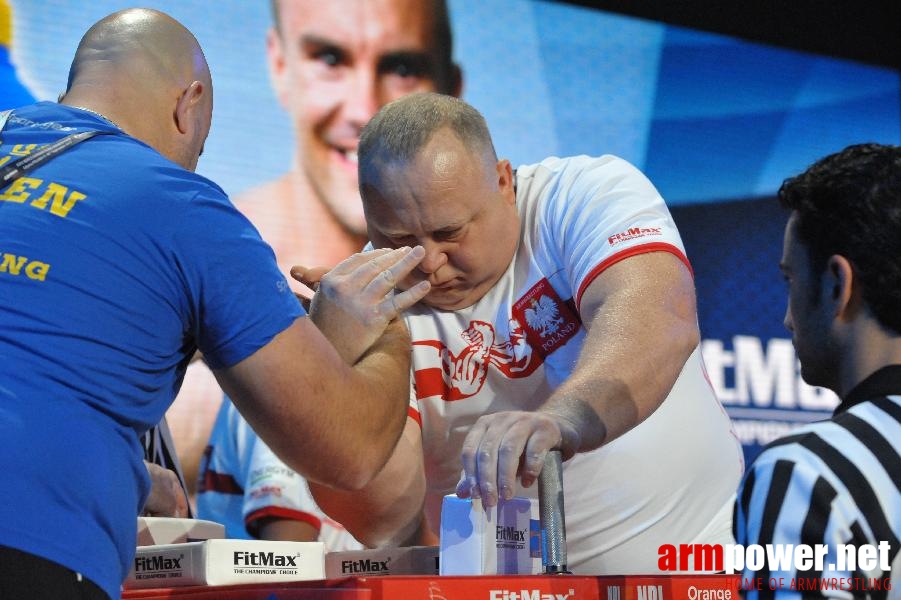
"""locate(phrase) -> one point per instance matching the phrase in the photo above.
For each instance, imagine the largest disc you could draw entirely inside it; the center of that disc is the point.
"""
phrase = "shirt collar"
(884, 382)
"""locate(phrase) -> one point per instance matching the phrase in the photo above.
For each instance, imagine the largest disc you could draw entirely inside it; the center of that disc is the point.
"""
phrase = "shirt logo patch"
(540, 324)
(633, 233)
(549, 321)
(463, 375)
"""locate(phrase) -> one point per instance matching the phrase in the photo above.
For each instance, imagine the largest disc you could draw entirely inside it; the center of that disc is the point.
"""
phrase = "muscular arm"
(642, 326)
(335, 417)
(641, 323)
(329, 421)
(388, 511)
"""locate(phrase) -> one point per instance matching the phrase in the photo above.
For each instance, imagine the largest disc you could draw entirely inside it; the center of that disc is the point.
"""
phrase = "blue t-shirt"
(115, 264)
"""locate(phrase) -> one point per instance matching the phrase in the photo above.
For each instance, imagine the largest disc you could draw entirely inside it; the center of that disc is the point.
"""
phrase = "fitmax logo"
(632, 233)
(157, 563)
(510, 534)
(364, 565)
(528, 595)
(264, 559)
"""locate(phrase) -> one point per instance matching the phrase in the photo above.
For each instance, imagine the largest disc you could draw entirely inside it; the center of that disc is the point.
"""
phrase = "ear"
(840, 287)
(456, 81)
(275, 55)
(187, 105)
(505, 181)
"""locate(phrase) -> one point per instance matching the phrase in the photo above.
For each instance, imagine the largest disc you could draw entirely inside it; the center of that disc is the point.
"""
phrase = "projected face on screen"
(333, 65)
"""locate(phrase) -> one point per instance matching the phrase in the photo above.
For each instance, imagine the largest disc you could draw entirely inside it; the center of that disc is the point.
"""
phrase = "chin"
(356, 227)
(816, 378)
(448, 302)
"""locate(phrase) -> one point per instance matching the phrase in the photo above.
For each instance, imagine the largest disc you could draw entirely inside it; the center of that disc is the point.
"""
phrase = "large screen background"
(716, 123)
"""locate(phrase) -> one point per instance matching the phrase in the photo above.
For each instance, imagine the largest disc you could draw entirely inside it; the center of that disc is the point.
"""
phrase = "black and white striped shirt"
(832, 482)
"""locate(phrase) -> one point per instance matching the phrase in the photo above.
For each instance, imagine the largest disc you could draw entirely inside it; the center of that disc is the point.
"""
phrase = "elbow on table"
(352, 471)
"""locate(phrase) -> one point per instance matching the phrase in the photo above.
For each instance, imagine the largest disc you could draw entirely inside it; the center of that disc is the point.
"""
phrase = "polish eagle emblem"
(543, 316)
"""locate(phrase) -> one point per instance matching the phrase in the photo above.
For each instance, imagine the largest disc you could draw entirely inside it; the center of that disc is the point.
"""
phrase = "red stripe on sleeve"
(219, 482)
(633, 251)
(280, 512)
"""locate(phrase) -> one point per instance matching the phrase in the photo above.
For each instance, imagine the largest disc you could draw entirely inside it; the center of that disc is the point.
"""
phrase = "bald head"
(145, 71)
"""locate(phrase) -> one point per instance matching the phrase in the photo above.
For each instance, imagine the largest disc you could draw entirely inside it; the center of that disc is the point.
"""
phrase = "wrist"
(581, 429)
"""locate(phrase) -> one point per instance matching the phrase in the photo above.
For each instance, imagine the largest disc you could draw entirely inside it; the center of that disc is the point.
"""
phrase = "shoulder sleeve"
(594, 212)
(239, 298)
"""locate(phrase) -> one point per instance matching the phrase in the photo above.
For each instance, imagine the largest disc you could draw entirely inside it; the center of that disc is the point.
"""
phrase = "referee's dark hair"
(849, 203)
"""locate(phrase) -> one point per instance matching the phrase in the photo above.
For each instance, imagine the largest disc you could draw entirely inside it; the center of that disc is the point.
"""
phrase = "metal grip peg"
(550, 511)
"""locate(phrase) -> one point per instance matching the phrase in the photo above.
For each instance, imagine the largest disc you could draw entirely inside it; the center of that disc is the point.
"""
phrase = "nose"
(363, 98)
(435, 258)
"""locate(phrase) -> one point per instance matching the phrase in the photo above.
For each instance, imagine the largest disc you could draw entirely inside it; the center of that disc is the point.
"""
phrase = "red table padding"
(484, 587)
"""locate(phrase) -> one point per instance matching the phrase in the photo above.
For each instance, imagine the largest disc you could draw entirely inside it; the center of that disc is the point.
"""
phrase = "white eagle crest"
(544, 316)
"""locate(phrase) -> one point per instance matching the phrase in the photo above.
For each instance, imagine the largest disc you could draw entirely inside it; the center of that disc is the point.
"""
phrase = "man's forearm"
(330, 421)
(374, 522)
(385, 369)
(606, 397)
(394, 343)
(622, 376)
(388, 511)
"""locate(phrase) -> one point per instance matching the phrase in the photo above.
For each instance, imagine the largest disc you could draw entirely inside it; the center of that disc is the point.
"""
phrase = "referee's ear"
(843, 289)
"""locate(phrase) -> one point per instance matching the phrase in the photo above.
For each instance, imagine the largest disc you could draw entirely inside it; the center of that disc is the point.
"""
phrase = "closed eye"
(400, 241)
(448, 234)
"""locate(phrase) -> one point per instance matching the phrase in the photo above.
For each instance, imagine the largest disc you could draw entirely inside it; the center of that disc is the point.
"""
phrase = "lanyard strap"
(3, 117)
(21, 166)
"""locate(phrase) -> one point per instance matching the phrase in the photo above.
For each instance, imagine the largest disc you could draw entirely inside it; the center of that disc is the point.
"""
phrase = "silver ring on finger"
(389, 277)
(394, 308)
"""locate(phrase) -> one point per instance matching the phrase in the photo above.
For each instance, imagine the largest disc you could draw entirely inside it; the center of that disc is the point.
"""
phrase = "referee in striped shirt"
(837, 481)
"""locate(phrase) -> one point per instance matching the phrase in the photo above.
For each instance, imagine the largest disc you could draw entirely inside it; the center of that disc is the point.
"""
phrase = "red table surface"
(483, 587)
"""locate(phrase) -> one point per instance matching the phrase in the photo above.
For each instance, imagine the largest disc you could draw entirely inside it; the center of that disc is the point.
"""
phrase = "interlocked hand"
(356, 300)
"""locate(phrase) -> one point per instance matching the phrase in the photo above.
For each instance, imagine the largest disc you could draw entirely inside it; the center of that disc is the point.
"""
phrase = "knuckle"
(507, 449)
(533, 463)
(328, 280)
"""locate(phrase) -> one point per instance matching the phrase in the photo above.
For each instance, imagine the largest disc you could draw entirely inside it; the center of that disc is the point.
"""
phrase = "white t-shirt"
(241, 481)
(670, 480)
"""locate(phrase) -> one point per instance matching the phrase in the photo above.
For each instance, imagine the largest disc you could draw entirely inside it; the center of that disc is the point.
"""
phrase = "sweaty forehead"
(380, 25)
(441, 187)
(443, 166)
